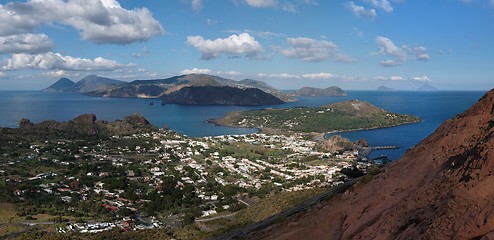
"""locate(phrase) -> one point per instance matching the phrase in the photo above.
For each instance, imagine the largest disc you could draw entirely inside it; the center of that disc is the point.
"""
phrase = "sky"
(289, 44)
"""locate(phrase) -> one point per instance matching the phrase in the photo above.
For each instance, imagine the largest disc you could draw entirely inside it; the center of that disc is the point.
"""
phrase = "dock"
(364, 152)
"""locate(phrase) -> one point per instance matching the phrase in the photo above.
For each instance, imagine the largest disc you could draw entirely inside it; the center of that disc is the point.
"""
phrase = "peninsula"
(342, 116)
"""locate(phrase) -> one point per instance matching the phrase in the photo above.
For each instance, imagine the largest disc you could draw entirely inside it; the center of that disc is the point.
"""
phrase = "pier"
(364, 152)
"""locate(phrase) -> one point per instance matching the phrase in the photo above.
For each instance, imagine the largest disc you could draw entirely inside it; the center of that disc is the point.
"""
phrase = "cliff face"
(441, 189)
(212, 95)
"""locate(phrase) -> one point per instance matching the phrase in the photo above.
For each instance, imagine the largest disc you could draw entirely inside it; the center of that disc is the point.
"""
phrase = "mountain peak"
(62, 85)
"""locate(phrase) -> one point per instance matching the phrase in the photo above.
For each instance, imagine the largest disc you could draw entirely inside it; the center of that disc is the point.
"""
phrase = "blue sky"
(359, 44)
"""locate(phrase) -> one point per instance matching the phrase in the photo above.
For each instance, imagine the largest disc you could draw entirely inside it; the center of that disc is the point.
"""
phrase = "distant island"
(342, 116)
(315, 92)
(426, 87)
(192, 89)
(384, 88)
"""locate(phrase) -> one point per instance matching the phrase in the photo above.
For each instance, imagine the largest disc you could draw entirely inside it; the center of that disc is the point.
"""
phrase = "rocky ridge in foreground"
(440, 189)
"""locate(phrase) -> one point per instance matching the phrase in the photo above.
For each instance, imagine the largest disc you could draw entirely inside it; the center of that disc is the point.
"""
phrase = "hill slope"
(313, 92)
(221, 95)
(342, 116)
(440, 189)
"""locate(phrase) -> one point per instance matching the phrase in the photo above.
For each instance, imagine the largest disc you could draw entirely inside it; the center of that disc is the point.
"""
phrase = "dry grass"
(8, 212)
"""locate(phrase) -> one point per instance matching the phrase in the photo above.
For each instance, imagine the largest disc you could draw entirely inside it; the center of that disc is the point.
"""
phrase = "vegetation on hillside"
(344, 116)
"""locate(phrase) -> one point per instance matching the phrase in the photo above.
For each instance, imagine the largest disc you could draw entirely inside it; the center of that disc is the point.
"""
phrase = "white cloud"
(25, 43)
(242, 44)
(208, 71)
(288, 6)
(59, 74)
(56, 61)
(312, 50)
(421, 79)
(261, 3)
(399, 55)
(381, 4)
(396, 78)
(312, 76)
(100, 21)
(196, 71)
(386, 47)
(361, 11)
(321, 75)
(3, 75)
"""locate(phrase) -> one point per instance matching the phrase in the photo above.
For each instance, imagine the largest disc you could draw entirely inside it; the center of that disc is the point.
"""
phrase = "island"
(190, 89)
(317, 92)
(342, 116)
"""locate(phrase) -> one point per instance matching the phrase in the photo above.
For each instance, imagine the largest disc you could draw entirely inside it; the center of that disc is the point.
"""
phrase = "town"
(162, 179)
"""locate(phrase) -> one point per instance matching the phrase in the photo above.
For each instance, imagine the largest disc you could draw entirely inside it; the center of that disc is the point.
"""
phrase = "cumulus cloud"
(242, 44)
(381, 4)
(56, 61)
(100, 21)
(196, 71)
(398, 55)
(59, 74)
(312, 50)
(208, 71)
(313, 76)
(25, 43)
(361, 11)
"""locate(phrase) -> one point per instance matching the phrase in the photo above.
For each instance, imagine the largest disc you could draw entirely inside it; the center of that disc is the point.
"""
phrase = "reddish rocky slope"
(443, 188)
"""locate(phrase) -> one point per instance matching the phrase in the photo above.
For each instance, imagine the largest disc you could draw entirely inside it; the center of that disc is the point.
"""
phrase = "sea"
(432, 107)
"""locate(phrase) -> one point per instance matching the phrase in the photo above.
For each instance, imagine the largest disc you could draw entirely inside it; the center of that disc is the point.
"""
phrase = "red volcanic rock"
(443, 188)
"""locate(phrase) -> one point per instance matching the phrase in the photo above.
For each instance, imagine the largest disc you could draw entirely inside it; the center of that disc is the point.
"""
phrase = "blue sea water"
(432, 107)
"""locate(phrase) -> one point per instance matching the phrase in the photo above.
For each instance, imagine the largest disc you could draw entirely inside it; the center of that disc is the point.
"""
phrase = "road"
(215, 218)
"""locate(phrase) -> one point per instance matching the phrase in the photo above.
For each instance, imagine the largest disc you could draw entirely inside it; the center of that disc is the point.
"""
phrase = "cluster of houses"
(196, 155)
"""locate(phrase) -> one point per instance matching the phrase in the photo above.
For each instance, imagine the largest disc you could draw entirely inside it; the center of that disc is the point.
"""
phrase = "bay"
(432, 107)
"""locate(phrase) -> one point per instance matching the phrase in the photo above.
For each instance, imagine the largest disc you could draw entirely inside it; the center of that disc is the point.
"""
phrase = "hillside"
(222, 95)
(440, 189)
(342, 116)
(171, 90)
(314, 92)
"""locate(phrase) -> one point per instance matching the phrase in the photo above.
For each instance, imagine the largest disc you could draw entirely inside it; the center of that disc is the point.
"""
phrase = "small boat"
(151, 103)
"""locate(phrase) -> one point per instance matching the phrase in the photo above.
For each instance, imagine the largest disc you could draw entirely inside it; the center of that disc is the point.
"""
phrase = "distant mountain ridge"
(253, 92)
(314, 92)
(384, 88)
(426, 87)
(88, 84)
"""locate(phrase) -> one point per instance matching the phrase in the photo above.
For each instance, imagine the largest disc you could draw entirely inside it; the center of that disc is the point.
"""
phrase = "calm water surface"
(433, 107)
